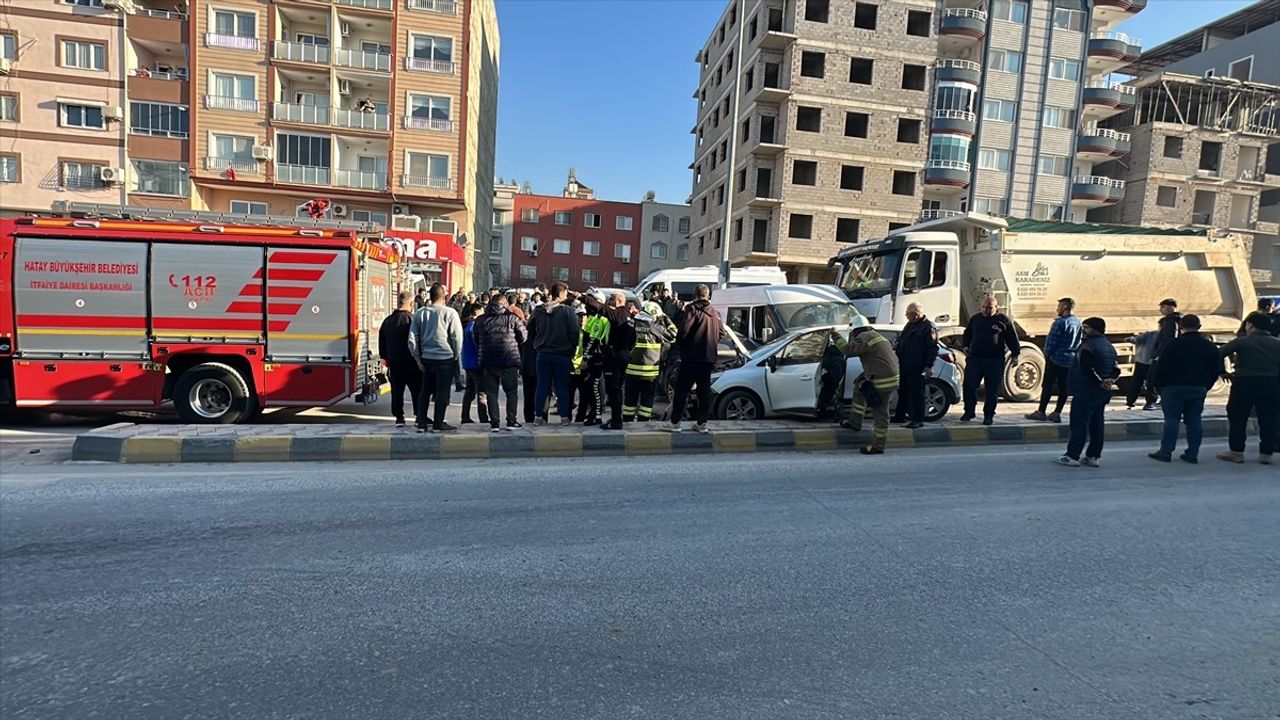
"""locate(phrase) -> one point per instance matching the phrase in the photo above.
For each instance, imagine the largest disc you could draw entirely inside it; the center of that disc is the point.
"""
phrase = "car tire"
(213, 394)
(739, 405)
(1023, 380)
(937, 400)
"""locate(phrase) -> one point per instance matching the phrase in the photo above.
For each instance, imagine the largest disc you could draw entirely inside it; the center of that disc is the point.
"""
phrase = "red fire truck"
(111, 307)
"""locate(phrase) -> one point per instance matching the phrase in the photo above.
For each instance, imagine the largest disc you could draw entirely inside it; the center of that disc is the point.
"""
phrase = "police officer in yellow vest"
(654, 331)
(874, 387)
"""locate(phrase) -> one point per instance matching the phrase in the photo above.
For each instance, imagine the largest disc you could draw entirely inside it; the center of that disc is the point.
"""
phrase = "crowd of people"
(594, 352)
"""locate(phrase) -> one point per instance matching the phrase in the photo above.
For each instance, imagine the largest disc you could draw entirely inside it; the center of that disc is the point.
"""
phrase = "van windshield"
(809, 314)
(871, 276)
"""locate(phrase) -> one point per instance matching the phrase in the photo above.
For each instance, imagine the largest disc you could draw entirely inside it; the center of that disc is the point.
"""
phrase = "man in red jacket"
(699, 329)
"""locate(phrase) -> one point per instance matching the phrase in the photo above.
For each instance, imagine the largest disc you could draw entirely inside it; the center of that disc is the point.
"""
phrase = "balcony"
(1110, 51)
(300, 52)
(231, 42)
(444, 7)
(302, 174)
(166, 26)
(442, 67)
(359, 180)
(219, 102)
(776, 36)
(367, 4)
(306, 114)
(1097, 144)
(240, 165)
(961, 29)
(430, 183)
(1103, 101)
(1109, 12)
(179, 74)
(947, 175)
(1095, 191)
(361, 60)
(361, 120)
(965, 71)
(429, 124)
(954, 122)
(772, 88)
(927, 215)
(764, 198)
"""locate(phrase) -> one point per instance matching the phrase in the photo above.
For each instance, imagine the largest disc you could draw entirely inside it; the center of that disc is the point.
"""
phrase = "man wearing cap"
(1166, 332)
(1255, 387)
(1191, 366)
(1093, 378)
(654, 331)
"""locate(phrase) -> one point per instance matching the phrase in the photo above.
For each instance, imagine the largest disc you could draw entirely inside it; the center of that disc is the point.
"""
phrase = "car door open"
(793, 372)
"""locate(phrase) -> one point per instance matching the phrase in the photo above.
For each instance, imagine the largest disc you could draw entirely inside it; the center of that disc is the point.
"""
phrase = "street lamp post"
(729, 189)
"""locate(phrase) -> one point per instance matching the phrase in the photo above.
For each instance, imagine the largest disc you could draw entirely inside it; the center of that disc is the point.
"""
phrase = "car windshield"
(810, 314)
(870, 276)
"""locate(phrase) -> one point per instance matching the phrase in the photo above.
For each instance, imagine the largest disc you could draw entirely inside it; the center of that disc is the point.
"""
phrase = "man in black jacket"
(1167, 330)
(617, 350)
(393, 348)
(698, 332)
(499, 334)
(1189, 367)
(917, 350)
(986, 336)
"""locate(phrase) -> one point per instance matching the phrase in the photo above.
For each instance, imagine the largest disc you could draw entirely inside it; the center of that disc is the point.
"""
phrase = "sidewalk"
(164, 443)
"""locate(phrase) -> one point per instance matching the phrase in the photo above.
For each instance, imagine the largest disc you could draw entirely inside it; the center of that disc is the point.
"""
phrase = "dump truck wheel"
(212, 393)
(1022, 381)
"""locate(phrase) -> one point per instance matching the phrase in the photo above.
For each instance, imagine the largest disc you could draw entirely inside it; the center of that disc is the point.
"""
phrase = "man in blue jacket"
(1092, 380)
(1060, 347)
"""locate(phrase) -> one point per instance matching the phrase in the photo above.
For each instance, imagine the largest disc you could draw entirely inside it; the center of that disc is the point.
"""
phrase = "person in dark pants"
(1144, 344)
(393, 348)
(1166, 332)
(435, 342)
(473, 389)
(1060, 347)
(986, 336)
(1255, 386)
(917, 350)
(1093, 378)
(498, 334)
(617, 349)
(555, 333)
(698, 332)
(1191, 366)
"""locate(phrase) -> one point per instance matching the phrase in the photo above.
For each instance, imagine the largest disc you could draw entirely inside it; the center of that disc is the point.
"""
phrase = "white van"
(760, 315)
(682, 281)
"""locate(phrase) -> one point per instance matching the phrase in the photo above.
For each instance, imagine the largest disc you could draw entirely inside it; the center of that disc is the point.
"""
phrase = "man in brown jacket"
(874, 387)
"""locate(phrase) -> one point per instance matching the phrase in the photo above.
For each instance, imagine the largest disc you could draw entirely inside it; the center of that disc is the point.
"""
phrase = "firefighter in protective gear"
(654, 333)
(874, 387)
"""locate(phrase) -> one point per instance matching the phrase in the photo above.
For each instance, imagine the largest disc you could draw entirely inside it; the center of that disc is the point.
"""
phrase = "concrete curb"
(123, 448)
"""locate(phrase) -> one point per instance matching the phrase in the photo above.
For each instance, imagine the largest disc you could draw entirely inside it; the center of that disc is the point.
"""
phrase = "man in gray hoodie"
(435, 342)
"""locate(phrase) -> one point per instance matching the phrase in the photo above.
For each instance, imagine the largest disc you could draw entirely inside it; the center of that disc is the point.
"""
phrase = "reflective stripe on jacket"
(651, 335)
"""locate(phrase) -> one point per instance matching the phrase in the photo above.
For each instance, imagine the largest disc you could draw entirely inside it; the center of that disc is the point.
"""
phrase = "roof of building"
(1046, 226)
(1241, 22)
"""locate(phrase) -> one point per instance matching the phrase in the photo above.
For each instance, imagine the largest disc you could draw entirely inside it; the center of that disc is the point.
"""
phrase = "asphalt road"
(975, 583)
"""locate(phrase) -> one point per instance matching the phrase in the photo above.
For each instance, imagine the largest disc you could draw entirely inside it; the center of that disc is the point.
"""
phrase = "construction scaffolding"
(1214, 103)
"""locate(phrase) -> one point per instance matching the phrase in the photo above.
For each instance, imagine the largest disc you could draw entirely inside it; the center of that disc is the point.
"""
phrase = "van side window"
(761, 318)
(736, 319)
(924, 269)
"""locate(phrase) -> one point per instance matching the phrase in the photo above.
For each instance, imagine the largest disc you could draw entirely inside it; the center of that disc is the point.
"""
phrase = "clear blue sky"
(605, 86)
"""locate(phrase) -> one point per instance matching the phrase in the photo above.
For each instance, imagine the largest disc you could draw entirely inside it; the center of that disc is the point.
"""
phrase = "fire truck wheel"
(212, 393)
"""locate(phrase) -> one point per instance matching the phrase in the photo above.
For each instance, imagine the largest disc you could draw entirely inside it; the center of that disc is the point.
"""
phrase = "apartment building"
(830, 132)
(499, 255)
(383, 107)
(664, 235)
(575, 239)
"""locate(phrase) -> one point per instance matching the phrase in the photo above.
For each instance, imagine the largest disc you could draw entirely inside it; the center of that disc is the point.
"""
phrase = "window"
(560, 273)
(703, 210)
(1059, 117)
(1166, 196)
(993, 159)
(304, 150)
(661, 223)
(807, 348)
(81, 116)
(235, 24)
(591, 220)
(564, 218)
(84, 55)
(1053, 165)
(855, 124)
(913, 77)
(919, 22)
(528, 272)
(847, 230)
(998, 110)
(801, 226)
(658, 251)
(1006, 61)
(622, 251)
(9, 169)
(808, 119)
(746, 130)
(717, 238)
(622, 222)
(240, 87)
(370, 216)
(682, 252)
(813, 64)
(1173, 147)
(1064, 69)
(1065, 19)
(1047, 211)
(497, 217)
(908, 131)
(528, 243)
(430, 47)
(561, 247)
(1210, 157)
(991, 206)
(157, 177)
(589, 276)
(1241, 69)
(8, 108)
(816, 10)
(530, 215)
(621, 278)
(8, 46)
(432, 112)
(682, 227)
(81, 175)
(951, 148)
(737, 230)
(234, 149)
(804, 172)
(864, 15)
(158, 119)
(851, 177)
(904, 182)
(720, 195)
(495, 244)
(248, 207)
(1010, 10)
(861, 70)
(591, 248)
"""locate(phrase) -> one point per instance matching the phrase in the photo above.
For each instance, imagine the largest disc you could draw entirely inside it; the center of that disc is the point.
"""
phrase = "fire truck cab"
(111, 307)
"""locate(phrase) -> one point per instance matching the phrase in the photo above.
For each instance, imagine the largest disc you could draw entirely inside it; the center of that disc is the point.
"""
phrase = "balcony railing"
(978, 15)
(939, 214)
(362, 60)
(955, 115)
(159, 132)
(220, 102)
(302, 174)
(360, 180)
(163, 14)
(419, 181)
(959, 64)
(292, 112)
(1100, 181)
(1105, 132)
(1117, 36)
(371, 4)
(220, 164)
(947, 165)
(300, 52)
(421, 123)
(360, 120)
(157, 75)
(445, 7)
(234, 42)
(443, 67)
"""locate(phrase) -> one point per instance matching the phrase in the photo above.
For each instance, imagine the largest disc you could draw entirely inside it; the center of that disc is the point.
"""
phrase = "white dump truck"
(1121, 274)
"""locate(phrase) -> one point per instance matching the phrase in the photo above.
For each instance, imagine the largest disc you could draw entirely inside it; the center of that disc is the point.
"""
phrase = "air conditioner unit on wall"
(113, 112)
(6, 66)
(406, 222)
(262, 152)
(111, 175)
(344, 87)
(344, 28)
(338, 210)
(399, 209)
